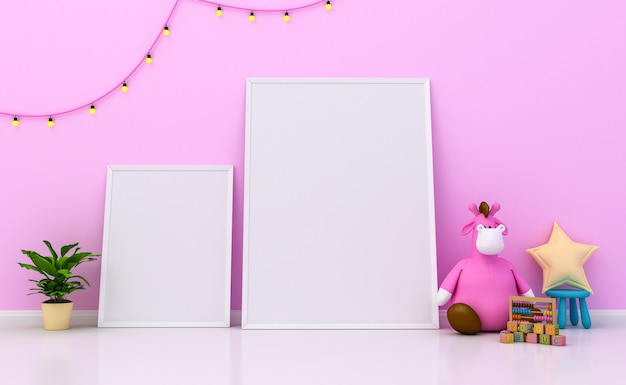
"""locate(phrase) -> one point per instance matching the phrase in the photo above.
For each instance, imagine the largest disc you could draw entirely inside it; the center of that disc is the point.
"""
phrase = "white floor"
(87, 355)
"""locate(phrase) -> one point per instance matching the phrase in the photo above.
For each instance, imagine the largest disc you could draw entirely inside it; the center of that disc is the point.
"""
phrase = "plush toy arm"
(447, 287)
(520, 282)
(443, 296)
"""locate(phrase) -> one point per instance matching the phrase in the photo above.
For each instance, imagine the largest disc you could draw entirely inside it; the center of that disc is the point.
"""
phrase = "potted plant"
(58, 281)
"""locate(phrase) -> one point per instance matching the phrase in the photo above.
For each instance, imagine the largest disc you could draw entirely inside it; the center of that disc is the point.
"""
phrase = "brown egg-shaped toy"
(464, 319)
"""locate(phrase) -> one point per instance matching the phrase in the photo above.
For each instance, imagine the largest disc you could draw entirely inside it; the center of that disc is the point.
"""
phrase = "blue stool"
(563, 295)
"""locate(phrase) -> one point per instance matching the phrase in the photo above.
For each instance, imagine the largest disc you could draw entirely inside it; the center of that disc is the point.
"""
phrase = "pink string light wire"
(156, 40)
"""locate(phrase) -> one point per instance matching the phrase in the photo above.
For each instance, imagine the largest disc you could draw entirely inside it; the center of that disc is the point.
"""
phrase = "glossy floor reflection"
(120, 356)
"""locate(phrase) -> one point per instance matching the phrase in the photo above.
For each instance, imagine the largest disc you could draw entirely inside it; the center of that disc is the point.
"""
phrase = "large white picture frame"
(339, 227)
(166, 253)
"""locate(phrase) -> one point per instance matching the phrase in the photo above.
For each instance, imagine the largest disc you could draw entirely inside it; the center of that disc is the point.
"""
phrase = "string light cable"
(147, 58)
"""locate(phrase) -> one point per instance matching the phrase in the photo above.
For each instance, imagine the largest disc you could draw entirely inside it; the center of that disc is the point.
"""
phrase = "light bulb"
(50, 122)
(124, 87)
(16, 121)
(148, 59)
(329, 6)
(286, 17)
(219, 11)
(92, 109)
(166, 31)
(251, 17)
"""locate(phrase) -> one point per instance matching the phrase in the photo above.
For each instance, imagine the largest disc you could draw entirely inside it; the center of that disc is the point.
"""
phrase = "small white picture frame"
(166, 254)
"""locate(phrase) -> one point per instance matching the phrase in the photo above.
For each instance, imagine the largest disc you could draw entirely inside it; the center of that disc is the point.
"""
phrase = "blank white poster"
(166, 258)
(338, 205)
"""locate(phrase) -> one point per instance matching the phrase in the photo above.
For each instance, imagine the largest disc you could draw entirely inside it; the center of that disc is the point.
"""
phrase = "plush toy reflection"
(479, 287)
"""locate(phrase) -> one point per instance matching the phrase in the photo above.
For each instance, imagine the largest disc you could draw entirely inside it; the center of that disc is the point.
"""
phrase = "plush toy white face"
(490, 240)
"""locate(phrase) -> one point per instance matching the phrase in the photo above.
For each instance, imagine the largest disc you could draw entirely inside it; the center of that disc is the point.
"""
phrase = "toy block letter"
(511, 326)
(518, 337)
(552, 329)
(545, 339)
(538, 329)
(525, 327)
(507, 337)
(532, 338)
(558, 340)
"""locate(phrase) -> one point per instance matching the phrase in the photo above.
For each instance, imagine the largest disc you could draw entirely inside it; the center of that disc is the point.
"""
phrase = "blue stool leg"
(584, 314)
(562, 320)
(573, 311)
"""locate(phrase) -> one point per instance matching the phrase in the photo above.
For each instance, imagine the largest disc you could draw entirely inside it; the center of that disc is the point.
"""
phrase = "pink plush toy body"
(484, 281)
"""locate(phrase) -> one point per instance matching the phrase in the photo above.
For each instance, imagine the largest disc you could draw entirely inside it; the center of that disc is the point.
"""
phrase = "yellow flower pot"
(57, 316)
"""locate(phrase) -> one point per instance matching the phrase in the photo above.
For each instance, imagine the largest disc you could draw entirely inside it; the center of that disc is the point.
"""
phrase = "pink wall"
(527, 107)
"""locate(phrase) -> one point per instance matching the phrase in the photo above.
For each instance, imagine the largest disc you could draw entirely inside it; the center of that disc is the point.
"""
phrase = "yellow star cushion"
(562, 261)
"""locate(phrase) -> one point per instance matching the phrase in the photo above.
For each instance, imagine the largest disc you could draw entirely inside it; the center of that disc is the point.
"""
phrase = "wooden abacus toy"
(533, 320)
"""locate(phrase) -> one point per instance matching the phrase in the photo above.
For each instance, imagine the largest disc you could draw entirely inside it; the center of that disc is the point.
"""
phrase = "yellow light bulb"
(50, 122)
(251, 17)
(286, 17)
(166, 31)
(124, 87)
(329, 6)
(219, 11)
(148, 59)
(16, 122)
(92, 109)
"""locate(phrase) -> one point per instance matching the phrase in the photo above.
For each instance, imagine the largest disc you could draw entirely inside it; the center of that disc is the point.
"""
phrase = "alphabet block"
(545, 339)
(518, 336)
(538, 329)
(558, 340)
(507, 337)
(532, 338)
(525, 327)
(511, 326)
(552, 329)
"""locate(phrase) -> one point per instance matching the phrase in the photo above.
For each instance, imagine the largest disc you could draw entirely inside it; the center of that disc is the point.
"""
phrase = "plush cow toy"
(479, 287)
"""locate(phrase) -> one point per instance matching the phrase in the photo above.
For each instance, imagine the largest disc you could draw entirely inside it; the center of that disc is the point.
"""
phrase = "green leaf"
(83, 278)
(67, 248)
(62, 262)
(79, 258)
(54, 253)
(44, 264)
(30, 267)
(65, 272)
(30, 254)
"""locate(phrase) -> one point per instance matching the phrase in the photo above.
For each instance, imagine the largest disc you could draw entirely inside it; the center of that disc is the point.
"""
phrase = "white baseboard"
(33, 317)
(79, 317)
(597, 316)
(90, 317)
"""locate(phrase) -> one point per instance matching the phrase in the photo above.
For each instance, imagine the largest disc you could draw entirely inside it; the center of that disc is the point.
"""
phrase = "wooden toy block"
(507, 337)
(552, 329)
(525, 327)
(538, 329)
(532, 338)
(558, 340)
(511, 326)
(518, 336)
(545, 339)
